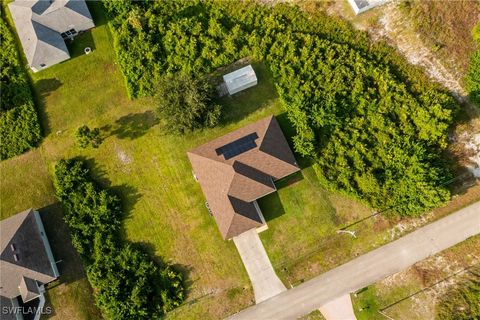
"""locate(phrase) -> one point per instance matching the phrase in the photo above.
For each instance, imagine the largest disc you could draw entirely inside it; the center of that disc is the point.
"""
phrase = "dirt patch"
(122, 156)
(423, 284)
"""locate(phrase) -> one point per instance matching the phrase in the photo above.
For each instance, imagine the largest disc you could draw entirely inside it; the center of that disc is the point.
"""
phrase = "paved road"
(264, 280)
(369, 268)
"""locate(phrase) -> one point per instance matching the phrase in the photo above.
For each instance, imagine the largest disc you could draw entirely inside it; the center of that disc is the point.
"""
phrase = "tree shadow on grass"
(43, 88)
(184, 270)
(129, 196)
(132, 126)
(98, 173)
(241, 104)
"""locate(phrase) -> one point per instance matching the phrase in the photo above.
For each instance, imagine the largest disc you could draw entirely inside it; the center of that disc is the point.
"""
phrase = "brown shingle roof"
(236, 169)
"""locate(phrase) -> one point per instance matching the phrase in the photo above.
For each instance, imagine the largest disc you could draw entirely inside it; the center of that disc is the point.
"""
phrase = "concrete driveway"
(264, 280)
(369, 268)
(339, 309)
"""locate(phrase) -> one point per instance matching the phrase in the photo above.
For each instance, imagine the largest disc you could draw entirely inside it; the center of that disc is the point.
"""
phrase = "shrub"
(88, 137)
(461, 302)
(472, 79)
(185, 103)
(374, 125)
(19, 123)
(126, 282)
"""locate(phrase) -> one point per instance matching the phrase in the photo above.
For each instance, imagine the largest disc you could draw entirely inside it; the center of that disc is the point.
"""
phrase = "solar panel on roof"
(238, 146)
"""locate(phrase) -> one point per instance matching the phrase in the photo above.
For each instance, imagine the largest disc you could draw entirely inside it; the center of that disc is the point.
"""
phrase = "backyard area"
(164, 205)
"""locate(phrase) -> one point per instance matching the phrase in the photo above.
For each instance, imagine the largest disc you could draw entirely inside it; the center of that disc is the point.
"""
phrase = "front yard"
(164, 205)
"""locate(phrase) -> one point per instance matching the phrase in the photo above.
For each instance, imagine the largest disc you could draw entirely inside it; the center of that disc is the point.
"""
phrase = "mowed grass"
(300, 204)
(25, 183)
(164, 206)
(148, 169)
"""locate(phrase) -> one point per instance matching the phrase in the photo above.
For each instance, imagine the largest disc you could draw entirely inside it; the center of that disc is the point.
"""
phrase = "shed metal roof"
(240, 78)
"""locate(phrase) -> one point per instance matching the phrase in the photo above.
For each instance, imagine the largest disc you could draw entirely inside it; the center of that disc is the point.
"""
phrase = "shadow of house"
(98, 13)
(69, 263)
(271, 206)
(289, 180)
(77, 46)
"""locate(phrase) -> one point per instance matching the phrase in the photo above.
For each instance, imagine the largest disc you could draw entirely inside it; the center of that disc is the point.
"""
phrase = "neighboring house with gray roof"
(44, 25)
(26, 264)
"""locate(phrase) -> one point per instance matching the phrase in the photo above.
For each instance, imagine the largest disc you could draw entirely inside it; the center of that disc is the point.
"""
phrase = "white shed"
(360, 6)
(240, 79)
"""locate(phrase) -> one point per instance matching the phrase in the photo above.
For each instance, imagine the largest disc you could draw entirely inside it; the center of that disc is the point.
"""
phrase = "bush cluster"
(19, 123)
(374, 125)
(88, 137)
(472, 79)
(126, 282)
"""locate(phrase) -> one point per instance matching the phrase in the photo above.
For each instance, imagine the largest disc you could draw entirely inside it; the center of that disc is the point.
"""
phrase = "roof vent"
(12, 247)
(15, 257)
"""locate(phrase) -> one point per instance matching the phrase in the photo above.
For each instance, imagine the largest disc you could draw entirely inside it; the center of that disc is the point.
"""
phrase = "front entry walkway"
(264, 280)
(338, 309)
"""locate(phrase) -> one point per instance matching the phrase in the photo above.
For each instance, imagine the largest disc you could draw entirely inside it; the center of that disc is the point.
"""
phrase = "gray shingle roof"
(23, 254)
(39, 25)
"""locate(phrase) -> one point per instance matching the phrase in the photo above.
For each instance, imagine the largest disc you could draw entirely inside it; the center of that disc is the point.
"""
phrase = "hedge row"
(127, 283)
(19, 123)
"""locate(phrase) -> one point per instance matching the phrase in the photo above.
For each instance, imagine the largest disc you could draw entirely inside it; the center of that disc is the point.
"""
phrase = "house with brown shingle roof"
(26, 265)
(237, 169)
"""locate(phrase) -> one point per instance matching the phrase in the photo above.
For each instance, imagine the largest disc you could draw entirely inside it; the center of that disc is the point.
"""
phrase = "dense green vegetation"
(88, 137)
(127, 283)
(462, 301)
(472, 79)
(19, 124)
(185, 103)
(375, 126)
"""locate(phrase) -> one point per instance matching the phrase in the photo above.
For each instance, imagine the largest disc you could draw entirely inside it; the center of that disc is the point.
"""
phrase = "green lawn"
(149, 170)
(164, 205)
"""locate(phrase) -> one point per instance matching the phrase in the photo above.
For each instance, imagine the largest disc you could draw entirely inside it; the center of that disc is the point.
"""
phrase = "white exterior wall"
(372, 4)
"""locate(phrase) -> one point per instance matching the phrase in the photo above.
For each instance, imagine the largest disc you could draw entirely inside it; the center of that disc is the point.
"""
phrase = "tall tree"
(185, 103)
